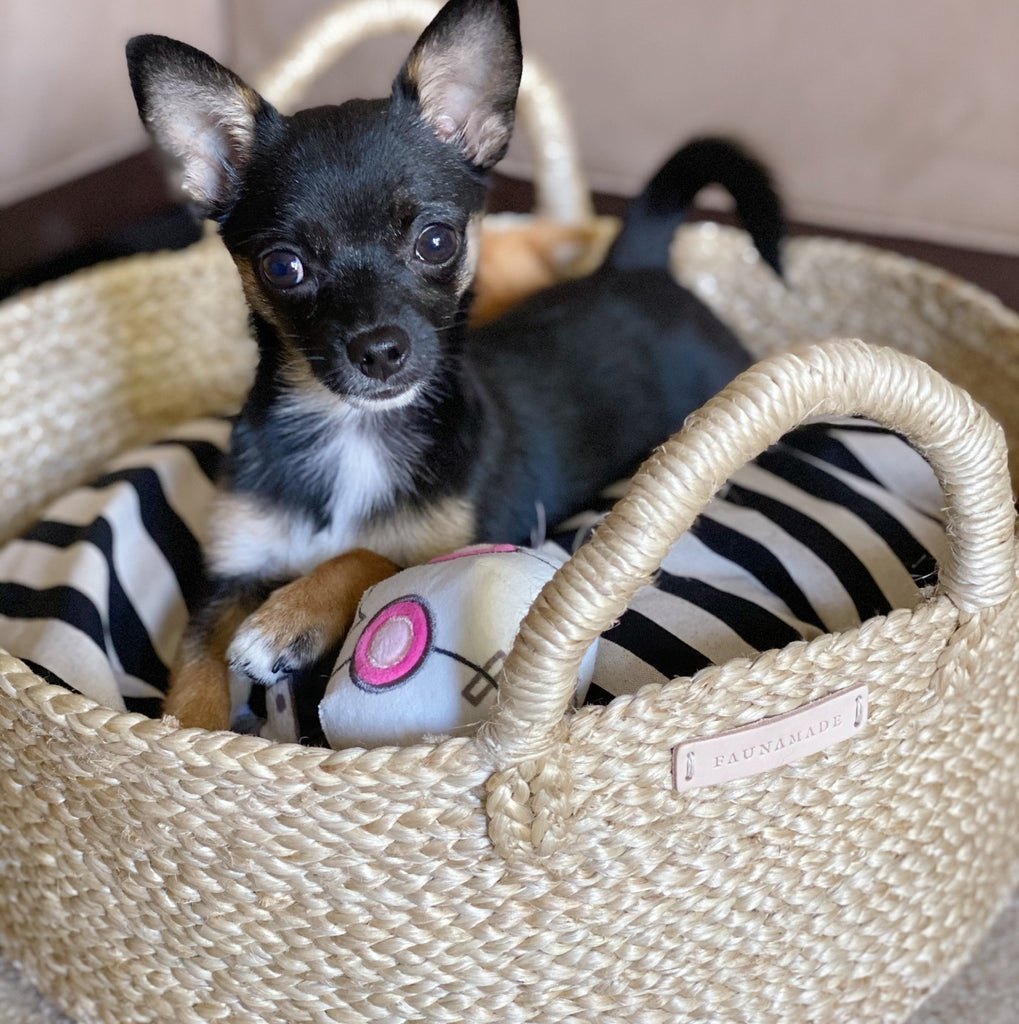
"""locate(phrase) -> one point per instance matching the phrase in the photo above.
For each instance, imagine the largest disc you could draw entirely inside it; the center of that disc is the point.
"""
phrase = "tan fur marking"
(450, 84)
(318, 609)
(472, 243)
(296, 367)
(255, 296)
(190, 115)
(416, 536)
(199, 693)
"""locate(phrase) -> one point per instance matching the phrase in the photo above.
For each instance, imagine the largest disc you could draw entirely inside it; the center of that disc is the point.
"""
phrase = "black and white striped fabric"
(96, 594)
(837, 523)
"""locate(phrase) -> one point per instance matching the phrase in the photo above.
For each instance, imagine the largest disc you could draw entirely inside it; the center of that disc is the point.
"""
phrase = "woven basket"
(545, 870)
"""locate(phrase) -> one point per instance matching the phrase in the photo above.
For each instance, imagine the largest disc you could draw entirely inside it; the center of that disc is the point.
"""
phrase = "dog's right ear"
(200, 113)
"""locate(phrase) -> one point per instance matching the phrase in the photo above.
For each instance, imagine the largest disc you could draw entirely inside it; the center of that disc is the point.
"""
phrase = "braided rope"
(964, 445)
(243, 880)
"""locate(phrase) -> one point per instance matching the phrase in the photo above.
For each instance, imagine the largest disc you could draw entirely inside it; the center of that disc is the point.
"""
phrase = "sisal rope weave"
(836, 288)
(673, 487)
(152, 873)
(544, 871)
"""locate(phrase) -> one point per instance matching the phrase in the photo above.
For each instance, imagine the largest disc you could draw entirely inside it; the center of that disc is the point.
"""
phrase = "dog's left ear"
(464, 73)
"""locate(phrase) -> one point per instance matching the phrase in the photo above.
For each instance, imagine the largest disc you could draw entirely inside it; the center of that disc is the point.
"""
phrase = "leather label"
(770, 743)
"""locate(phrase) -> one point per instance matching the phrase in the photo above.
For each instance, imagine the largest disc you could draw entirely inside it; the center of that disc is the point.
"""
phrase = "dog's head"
(353, 227)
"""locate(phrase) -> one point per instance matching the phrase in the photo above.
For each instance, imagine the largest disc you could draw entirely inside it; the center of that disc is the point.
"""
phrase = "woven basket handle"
(561, 190)
(964, 446)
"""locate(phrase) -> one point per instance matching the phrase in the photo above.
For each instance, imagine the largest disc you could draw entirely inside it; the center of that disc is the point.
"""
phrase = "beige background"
(895, 117)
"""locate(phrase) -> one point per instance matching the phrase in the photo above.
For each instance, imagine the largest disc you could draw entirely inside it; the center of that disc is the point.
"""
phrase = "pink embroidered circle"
(393, 644)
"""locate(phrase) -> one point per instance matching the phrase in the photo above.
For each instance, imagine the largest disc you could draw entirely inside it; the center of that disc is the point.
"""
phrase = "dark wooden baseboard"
(127, 207)
(83, 221)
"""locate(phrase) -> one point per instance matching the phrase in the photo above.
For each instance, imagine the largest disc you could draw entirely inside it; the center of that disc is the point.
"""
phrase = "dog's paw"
(299, 623)
(277, 641)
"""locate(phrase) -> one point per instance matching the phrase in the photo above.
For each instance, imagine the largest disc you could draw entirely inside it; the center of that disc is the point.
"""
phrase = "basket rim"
(930, 609)
(884, 259)
(133, 263)
(233, 750)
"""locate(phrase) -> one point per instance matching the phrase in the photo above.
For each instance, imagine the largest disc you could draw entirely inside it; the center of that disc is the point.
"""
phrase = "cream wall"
(65, 103)
(894, 116)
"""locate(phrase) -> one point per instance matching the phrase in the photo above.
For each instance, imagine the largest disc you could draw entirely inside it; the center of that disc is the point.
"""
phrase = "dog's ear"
(464, 73)
(200, 113)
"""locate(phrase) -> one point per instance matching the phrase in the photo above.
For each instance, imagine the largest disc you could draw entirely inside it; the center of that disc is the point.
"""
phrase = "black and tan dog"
(377, 422)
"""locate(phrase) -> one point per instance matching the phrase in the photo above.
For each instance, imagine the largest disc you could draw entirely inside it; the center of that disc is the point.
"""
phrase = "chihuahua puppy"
(380, 431)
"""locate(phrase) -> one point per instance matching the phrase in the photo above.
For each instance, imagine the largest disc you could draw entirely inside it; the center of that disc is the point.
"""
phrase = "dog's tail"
(653, 217)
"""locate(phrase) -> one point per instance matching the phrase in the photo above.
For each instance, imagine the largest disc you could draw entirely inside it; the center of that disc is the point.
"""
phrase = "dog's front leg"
(199, 693)
(300, 621)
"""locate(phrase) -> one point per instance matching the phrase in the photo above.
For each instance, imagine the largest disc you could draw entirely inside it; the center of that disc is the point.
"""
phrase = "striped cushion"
(96, 594)
(838, 522)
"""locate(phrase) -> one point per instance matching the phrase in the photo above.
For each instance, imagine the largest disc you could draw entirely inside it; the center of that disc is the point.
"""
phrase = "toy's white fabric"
(428, 643)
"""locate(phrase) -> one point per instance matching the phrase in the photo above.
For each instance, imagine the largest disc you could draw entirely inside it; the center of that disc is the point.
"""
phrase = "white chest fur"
(360, 470)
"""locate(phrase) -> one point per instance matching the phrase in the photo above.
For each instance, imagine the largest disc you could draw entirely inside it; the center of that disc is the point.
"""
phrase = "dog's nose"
(379, 353)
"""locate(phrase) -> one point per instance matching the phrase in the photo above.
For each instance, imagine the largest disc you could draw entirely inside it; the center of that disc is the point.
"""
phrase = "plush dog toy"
(425, 650)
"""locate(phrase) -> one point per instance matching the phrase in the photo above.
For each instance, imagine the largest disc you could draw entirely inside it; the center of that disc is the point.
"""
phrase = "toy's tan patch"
(517, 260)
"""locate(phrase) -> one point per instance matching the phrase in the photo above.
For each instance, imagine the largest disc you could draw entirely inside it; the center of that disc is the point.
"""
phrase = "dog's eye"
(282, 268)
(437, 244)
